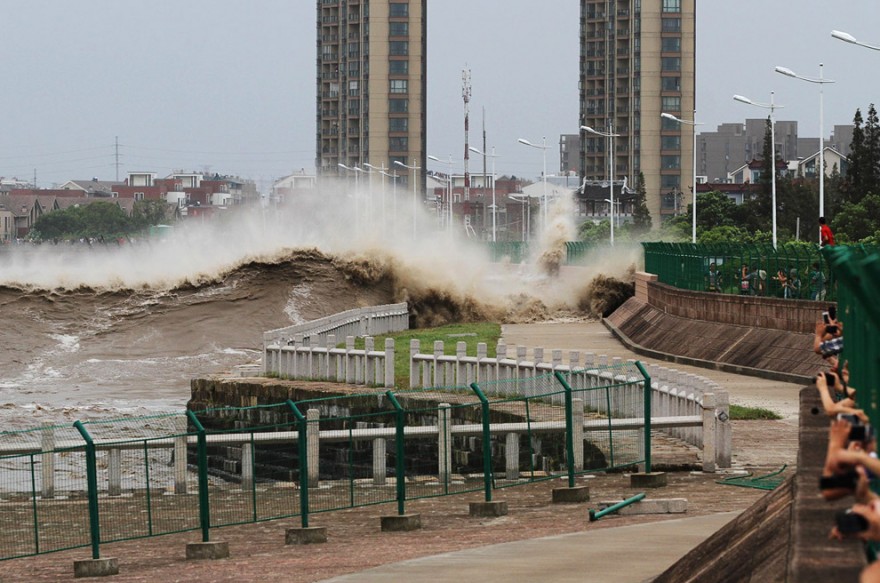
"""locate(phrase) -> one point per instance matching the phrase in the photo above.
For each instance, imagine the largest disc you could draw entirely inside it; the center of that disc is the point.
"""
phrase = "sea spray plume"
(559, 229)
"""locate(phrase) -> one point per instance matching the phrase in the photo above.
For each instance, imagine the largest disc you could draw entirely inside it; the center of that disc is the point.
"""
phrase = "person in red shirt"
(825, 234)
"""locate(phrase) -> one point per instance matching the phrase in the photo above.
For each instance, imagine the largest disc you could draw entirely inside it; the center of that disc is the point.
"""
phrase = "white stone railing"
(686, 406)
(314, 354)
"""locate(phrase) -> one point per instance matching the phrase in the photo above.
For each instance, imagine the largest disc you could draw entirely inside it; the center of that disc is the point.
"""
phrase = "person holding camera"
(828, 336)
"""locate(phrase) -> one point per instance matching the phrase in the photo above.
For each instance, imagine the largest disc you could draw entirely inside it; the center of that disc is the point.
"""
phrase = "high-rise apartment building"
(638, 61)
(371, 86)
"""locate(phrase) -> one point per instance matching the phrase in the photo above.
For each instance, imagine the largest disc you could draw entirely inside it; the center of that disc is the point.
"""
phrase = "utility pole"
(466, 96)
(117, 158)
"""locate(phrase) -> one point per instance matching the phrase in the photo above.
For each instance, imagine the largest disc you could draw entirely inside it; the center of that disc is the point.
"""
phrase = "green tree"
(641, 214)
(857, 175)
(857, 220)
(595, 232)
(148, 213)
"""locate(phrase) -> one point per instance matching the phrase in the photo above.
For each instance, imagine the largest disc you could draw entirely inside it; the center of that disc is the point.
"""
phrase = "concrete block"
(96, 567)
(207, 550)
(488, 509)
(305, 536)
(571, 495)
(647, 480)
(401, 523)
(646, 506)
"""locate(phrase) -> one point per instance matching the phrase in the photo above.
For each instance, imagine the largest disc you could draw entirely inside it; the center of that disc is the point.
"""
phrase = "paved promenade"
(626, 554)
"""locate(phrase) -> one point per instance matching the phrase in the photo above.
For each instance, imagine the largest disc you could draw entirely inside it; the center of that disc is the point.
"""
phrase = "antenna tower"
(466, 96)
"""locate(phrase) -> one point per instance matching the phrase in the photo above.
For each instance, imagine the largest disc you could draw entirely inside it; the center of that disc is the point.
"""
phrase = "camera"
(826, 317)
(848, 522)
(859, 431)
(830, 378)
(832, 329)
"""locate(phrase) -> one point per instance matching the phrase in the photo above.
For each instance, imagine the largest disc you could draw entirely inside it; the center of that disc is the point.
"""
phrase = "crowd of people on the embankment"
(851, 461)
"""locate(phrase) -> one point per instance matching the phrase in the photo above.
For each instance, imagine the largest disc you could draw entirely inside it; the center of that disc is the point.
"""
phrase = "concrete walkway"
(626, 554)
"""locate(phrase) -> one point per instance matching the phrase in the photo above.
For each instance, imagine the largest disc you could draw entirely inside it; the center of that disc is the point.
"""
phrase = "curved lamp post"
(448, 163)
(610, 136)
(848, 38)
(380, 170)
(493, 156)
(357, 202)
(694, 208)
(820, 82)
(414, 168)
(543, 147)
(772, 107)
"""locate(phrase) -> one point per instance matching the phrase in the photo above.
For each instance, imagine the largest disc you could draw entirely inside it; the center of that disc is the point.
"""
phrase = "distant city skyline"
(225, 87)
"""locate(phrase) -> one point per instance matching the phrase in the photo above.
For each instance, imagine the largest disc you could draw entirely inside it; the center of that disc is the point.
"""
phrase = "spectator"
(713, 279)
(783, 281)
(793, 286)
(817, 284)
(826, 237)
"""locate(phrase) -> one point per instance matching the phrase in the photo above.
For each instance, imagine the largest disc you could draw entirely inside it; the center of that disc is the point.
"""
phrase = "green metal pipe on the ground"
(615, 507)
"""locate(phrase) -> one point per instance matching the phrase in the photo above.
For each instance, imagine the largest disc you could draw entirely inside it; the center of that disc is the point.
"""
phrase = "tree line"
(99, 220)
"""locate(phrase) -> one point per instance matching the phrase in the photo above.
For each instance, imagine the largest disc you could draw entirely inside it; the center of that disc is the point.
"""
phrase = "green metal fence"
(96, 482)
(786, 272)
(576, 252)
(857, 270)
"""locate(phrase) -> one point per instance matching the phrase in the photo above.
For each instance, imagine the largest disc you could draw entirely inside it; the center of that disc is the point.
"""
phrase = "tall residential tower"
(638, 61)
(371, 86)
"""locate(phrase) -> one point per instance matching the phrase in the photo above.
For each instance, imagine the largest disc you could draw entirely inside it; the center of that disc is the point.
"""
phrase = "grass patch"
(470, 334)
(740, 413)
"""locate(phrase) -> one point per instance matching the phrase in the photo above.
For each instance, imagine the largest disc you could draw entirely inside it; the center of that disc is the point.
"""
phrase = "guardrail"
(685, 406)
(365, 366)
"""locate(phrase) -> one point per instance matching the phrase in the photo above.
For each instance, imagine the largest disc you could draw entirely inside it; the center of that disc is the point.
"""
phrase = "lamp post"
(393, 178)
(448, 163)
(493, 156)
(414, 168)
(693, 123)
(820, 82)
(848, 38)
(543, 147)
(368, 207)
(610, 136)
(381, 171)
(772, 107)
(357, 204)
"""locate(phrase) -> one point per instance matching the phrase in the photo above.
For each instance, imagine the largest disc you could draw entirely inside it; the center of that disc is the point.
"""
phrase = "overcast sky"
(229, 86)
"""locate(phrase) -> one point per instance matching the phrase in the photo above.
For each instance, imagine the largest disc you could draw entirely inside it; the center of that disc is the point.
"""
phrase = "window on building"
(398, 9)
(398, 105)
(671, 104)
(670, 181)
(669, 124)
(398, 144)
(398, 124)
(670, 64)
(671, 83)
(139, 196)
(398, 85)
(671, 5)
(398, 67)
(671, 25)
(670, 143)
(353, 90)
(354, 69)
(670, 44)
(398, 48)
(398, 29)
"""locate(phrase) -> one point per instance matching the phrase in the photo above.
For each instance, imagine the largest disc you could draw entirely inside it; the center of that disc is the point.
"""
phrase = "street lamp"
(382, 172)
(493, 156)
(610, 136)
(543, 147)
(694, 123)
(393, 178)
(848, 38)
(820, 82)
(772, 107)
(357, 204)
(368, 208)
(414, 168)
(448, 188)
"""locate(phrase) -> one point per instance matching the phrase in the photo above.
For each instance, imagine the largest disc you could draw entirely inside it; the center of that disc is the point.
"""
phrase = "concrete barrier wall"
(759, 312)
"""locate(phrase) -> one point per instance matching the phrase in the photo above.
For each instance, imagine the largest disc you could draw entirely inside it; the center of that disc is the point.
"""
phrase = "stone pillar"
(180, 460)
(438, 366)
(314, 446)
(709, 432)
(369, 363)
(47, 461)
(460, 366)
(247, 466)
(444, 442)
(511, 456)
(380, 469)
(414, 348)
(114, 472)
(723, 437)
(577, 433)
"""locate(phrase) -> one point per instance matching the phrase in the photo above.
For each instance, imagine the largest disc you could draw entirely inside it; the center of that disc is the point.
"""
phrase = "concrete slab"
(626, 554)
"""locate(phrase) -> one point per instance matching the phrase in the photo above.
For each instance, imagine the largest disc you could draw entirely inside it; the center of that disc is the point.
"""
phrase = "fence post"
(646, 412)
(444, 444)
(204, 501)
(92, 481)
(303, 453)
(708, 432)
(399, 453)
(569, 429)
(47, 461)
(114, 473)
(379, 463)
(314, 451)
(511, 456)
(487, 445)
(180, 486)
(389, 363)
(722, 430)
(414, 348)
